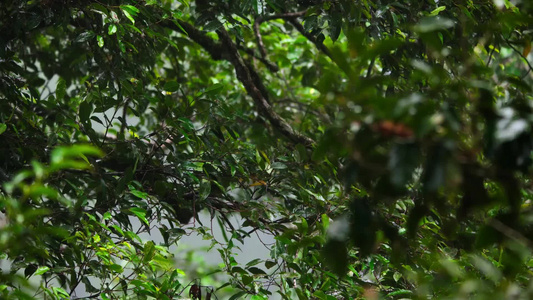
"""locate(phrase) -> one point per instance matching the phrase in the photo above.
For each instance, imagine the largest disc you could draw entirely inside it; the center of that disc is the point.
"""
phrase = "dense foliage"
(386, 145)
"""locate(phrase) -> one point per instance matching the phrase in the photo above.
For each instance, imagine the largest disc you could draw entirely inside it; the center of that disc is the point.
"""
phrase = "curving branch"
(264, 108)
(226, 49)
(310, 37)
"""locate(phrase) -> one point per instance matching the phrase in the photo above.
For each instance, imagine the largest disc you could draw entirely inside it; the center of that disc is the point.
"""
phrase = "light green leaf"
(112, 29)
(41, 270)
(100, 40)
(3, 128)
(106, 216)
(397, 276)
(140, 213)
(116, 268)
(38, 169)
(61, 293)
(139, 194)
(131, 9)
(128, 15)
(437, 10)
(59, 154)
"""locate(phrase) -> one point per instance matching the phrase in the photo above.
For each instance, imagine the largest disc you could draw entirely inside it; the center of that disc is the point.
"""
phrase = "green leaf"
(397, 276)
(148, 251)
(238, 295)
(106, 216)
(270, 263)
(84, 37)
(3, 128)
(437, 10)
(165, 263)
(139, 194)
(325, 222)
(131, 9)
(256, 271)
(85, 111)
(140, 213)
(61, 293)
(41, 270)
(213, 25)
(400, 293)
(59, 154)
(171, 86)
(128, 15)
(214, 89)
(100, 40)
(112, 29)
(61, 88)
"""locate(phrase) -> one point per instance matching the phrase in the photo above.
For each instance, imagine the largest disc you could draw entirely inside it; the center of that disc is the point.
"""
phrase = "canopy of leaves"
(386, 146)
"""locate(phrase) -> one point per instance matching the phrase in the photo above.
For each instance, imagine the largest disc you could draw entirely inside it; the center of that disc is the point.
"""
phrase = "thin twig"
(521, 55)
(491, 53)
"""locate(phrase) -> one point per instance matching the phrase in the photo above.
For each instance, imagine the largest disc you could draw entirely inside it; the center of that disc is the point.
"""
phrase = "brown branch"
(211, 46)
(227, 50)
(259, 38)
(215, 50)
(244, 75)
(310, 37)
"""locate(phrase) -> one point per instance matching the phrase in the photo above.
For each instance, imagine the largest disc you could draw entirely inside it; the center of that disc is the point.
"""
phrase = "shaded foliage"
(406, 125)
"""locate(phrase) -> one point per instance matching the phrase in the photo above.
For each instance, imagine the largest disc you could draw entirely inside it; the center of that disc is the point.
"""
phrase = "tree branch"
(244, 75)
(212, 47)
(310, 37)
(227, 50)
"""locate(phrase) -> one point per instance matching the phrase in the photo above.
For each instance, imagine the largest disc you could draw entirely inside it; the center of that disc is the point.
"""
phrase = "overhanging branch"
(227, 50)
